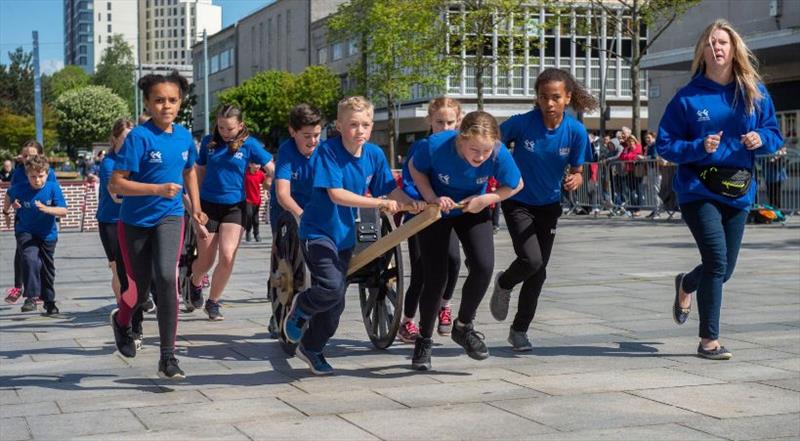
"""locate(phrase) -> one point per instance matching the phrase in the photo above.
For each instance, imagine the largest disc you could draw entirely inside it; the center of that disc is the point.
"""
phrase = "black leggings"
(251, 218)
(151, 256)
(532, 230)
(417, 270)
(474, 231)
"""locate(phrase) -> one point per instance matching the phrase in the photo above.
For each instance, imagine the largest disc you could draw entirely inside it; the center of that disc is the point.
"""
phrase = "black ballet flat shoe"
(680, 315)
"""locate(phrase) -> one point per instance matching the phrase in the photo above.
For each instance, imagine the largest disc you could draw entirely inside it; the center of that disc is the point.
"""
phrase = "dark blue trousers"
(324, 301)
(38, 266)
(717, 229)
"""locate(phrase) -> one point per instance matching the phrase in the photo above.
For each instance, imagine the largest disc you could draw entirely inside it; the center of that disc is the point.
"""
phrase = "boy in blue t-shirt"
(345, 168)
(38, 202)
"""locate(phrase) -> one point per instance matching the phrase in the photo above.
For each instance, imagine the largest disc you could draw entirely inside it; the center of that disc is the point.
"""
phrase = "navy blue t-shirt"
(452, 176)
(224, 177)
(107, 209)
(542, 154)
(335, 167)
(153, 156)
(29, 218)
(294, 167)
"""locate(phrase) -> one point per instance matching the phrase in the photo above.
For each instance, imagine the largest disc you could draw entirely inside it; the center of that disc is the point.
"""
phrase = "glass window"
(337, 51)
(322, 55)
(108, 5)
(352, 48)
(214, 64)
(109, 17)
(109, 28)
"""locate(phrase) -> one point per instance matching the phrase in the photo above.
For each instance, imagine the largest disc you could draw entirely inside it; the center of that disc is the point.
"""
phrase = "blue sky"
(16, 26)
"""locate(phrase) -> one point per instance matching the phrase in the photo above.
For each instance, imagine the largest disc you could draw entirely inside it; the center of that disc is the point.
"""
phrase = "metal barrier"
(625, 188)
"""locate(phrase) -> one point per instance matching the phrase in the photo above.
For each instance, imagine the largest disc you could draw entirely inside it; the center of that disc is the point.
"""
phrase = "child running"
(254, 180)
(221, 172)
(29, 149)
(443, 114)
(38, 201)
(345, 168)
(156, 161)
(452, 171)
(546, 140)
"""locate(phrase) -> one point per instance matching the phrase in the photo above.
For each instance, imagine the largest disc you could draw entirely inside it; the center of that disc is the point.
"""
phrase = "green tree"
(267, 98)
(116, 70)
(68, 78)
(402, 42)
(16, 82)
(86, 115)
(15, 129)
(640, 20)
(187, 104)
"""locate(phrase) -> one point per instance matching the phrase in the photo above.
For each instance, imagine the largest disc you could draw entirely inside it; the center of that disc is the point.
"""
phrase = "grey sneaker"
(500, 300)
(519, 341)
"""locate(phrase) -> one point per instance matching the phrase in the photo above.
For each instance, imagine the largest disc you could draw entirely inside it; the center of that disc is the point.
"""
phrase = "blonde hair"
(442, 102)
(745, 64)
(38, 163)
(480, 124)
(119, 127)
(355, 104)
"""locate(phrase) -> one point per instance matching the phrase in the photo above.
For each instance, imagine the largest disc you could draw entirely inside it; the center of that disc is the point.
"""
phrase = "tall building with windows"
(169, 28)
(89, 25)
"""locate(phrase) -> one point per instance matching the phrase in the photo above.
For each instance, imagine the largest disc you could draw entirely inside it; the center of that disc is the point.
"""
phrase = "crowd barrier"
(626, 188)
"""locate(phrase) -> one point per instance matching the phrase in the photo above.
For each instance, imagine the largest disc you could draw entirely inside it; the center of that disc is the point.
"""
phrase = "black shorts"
(223, 214)
(110, 240)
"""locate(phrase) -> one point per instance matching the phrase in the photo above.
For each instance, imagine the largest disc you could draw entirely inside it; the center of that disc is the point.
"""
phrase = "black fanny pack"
(726, 181)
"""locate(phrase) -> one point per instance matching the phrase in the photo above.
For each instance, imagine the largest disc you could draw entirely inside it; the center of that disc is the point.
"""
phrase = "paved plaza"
(608, 364)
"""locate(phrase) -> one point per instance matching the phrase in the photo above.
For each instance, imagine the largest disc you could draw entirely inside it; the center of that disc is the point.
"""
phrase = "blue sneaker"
(294, 324)
(316, 361)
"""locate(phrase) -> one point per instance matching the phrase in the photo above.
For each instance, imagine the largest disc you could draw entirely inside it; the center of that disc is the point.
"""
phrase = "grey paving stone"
(157, 398)
(728, 400)
(315, 427)
(456, 422)
(218, 412)
(594, 411)
(335, 403)
(452, 393)
(741, 371)
(788, 363)
(750, 428)
(789, 383)
(29, 409)
(14, 429)
(661, 432)
(66, 426)
(222, 432)
(251, 391)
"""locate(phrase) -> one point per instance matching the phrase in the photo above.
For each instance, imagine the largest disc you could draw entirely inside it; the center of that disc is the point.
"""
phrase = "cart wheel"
(289, 274)
(382, 300)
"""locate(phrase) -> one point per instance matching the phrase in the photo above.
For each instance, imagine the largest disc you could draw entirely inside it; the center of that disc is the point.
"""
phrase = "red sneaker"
(445, 321)
(408, 332)
(13, 294)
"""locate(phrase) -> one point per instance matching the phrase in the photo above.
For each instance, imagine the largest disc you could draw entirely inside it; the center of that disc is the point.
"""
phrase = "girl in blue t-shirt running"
(156, 161)
(443, 114)
(546, 140)
(452, 171)
(221, 165)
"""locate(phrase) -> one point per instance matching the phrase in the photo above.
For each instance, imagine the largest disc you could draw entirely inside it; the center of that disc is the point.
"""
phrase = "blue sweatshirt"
(703, 108)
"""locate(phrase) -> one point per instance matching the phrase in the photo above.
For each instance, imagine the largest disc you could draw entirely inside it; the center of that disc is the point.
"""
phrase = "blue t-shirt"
(452, 176)
(20, 176)
(153, 156)
(335, 167)
(29, 218)
(702, 108)
(107, 209)
(542, 154)
(409, 187)
(224, 177)
(294, 167)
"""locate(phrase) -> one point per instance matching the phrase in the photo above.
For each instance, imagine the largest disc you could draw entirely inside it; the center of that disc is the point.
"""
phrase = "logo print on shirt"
(482, 180)
(563, 151)
(702, 115)
(530, 145)
(296, 175)
(185, 156)
(155, 157)
(369, 179)
(444, 179)
(238, 155)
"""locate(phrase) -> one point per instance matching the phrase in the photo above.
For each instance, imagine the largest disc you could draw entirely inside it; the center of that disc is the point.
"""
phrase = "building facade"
(771, 30)
(169, 28)
(89, 26)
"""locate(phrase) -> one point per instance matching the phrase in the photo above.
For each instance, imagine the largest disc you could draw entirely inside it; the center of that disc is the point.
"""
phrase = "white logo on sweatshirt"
(444, 179)
(702, 115)
(155, 157)
(482, 180)
(238, 155)
(530, 145)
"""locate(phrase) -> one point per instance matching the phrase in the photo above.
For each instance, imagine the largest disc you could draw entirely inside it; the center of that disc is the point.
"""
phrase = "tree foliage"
(116, 70)
(86, 115)
(402, 47)
(267, 98)
(184, 116)
(16, 129)
(68, 78)
(16, 82)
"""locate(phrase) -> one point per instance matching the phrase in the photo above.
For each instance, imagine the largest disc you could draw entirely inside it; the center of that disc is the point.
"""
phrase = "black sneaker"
(195, 297)
(123, 337)
(421, 360)
(29, 305)
(257, 238)
(149, 306)
(50, 308)
(136, 329)
(471, 340)
(212, 309)
(168, 368)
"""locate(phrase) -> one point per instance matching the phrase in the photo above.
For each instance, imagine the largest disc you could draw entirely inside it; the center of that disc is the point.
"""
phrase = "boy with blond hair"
(38, 201)
(345, 168)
